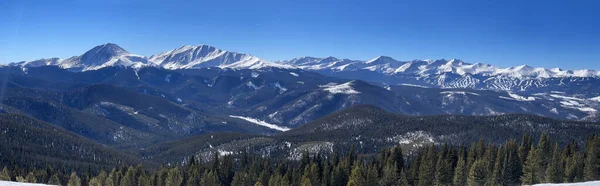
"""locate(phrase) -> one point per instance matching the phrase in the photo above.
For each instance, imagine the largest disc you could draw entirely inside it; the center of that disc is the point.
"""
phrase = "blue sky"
(548, 33)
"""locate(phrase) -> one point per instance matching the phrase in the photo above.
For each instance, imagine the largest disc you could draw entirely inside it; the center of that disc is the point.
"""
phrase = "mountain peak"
(108, 49)
(381, 59)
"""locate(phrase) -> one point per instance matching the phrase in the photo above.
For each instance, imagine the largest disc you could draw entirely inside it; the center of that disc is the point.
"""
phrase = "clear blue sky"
(546, 33)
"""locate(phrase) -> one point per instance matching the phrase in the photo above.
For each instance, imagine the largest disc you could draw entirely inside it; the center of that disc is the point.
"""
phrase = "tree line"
(481, 163)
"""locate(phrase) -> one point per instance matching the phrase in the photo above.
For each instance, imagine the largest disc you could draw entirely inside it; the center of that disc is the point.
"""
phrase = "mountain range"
(565, 94)
(201, 100)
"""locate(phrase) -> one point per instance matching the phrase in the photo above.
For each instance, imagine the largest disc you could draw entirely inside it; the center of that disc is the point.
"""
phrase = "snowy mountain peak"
(201, 56)
(381, 60)
(107, 49)
(103, 56)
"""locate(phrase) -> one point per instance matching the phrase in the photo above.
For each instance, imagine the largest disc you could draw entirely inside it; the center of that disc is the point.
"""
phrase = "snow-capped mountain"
(202, 56)
(185, 57)
(452, 73)
(390, 66)
(103, 56)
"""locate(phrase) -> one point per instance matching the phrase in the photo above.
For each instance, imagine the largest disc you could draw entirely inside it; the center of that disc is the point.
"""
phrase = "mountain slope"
(369, 129)
(31, 143)
(202, 56)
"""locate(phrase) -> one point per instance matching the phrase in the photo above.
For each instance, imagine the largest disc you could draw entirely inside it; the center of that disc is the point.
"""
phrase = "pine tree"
(478, 173)
(524, 148)
(553, 171)
(531, 168)
(544, 149)
(210, 179)
(460, 172)
(497, 177)
(242, 178)
(574, 168)
(30, 178)
(339, 176)
(443, 172)
(74, 180)
(174, 177)
(389, 177)
(145, 179)
(356, 176)
(20, 179)
(512, 167)
(128, 179)
(427, 168)
(5, 174)
(591, 170)
(403, 181)
(54, 180)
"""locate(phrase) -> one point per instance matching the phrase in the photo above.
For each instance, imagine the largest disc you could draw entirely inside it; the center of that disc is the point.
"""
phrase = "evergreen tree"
(5, 174)
(389, 177)
(403, 179)
(20, 179)
(531, 169)
(74, 180)
(54, 180)
(356, 176)
(497, 177)
(460, 172)
(112, 179)
(30, 178)
(210, 178)
(128, 179)
(443, 172)
(478, 173)
(174, 177)
(591, 170)
(544, 149)
(574, 168)
(339, 176)
(427, 168)
(553, 171)
(242, 178)
(512, 166)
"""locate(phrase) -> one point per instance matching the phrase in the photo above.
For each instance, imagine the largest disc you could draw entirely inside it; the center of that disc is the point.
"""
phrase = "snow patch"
(521, 98)
(168, 78)
(261, 123)
(450, 93)
(345, 88)
(251, 85)
(10, 183)
(281, 88)
(294, 74)
(413, 85)
(255, 74)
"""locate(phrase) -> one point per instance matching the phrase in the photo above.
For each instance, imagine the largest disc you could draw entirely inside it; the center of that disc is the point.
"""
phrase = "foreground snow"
(589, 183)
(261, 123)
(10, 183)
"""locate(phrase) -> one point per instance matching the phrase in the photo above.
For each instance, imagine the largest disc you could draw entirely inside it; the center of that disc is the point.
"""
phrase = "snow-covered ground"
(589, 183)
(10, 183)
(261, 123)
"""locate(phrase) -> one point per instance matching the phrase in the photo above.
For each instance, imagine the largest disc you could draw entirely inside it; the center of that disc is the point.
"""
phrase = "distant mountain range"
(552, 90)
(200, 100)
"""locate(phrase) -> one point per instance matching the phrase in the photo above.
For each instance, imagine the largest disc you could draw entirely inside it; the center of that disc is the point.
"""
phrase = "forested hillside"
(481, 163)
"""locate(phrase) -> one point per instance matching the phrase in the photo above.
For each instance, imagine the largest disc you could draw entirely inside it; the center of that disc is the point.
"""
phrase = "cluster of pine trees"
(511, 163)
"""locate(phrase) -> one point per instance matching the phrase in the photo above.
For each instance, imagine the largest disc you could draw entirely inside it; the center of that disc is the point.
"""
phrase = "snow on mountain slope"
(390, 66)
(202, 56)
(103, 56)
(261, 123)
